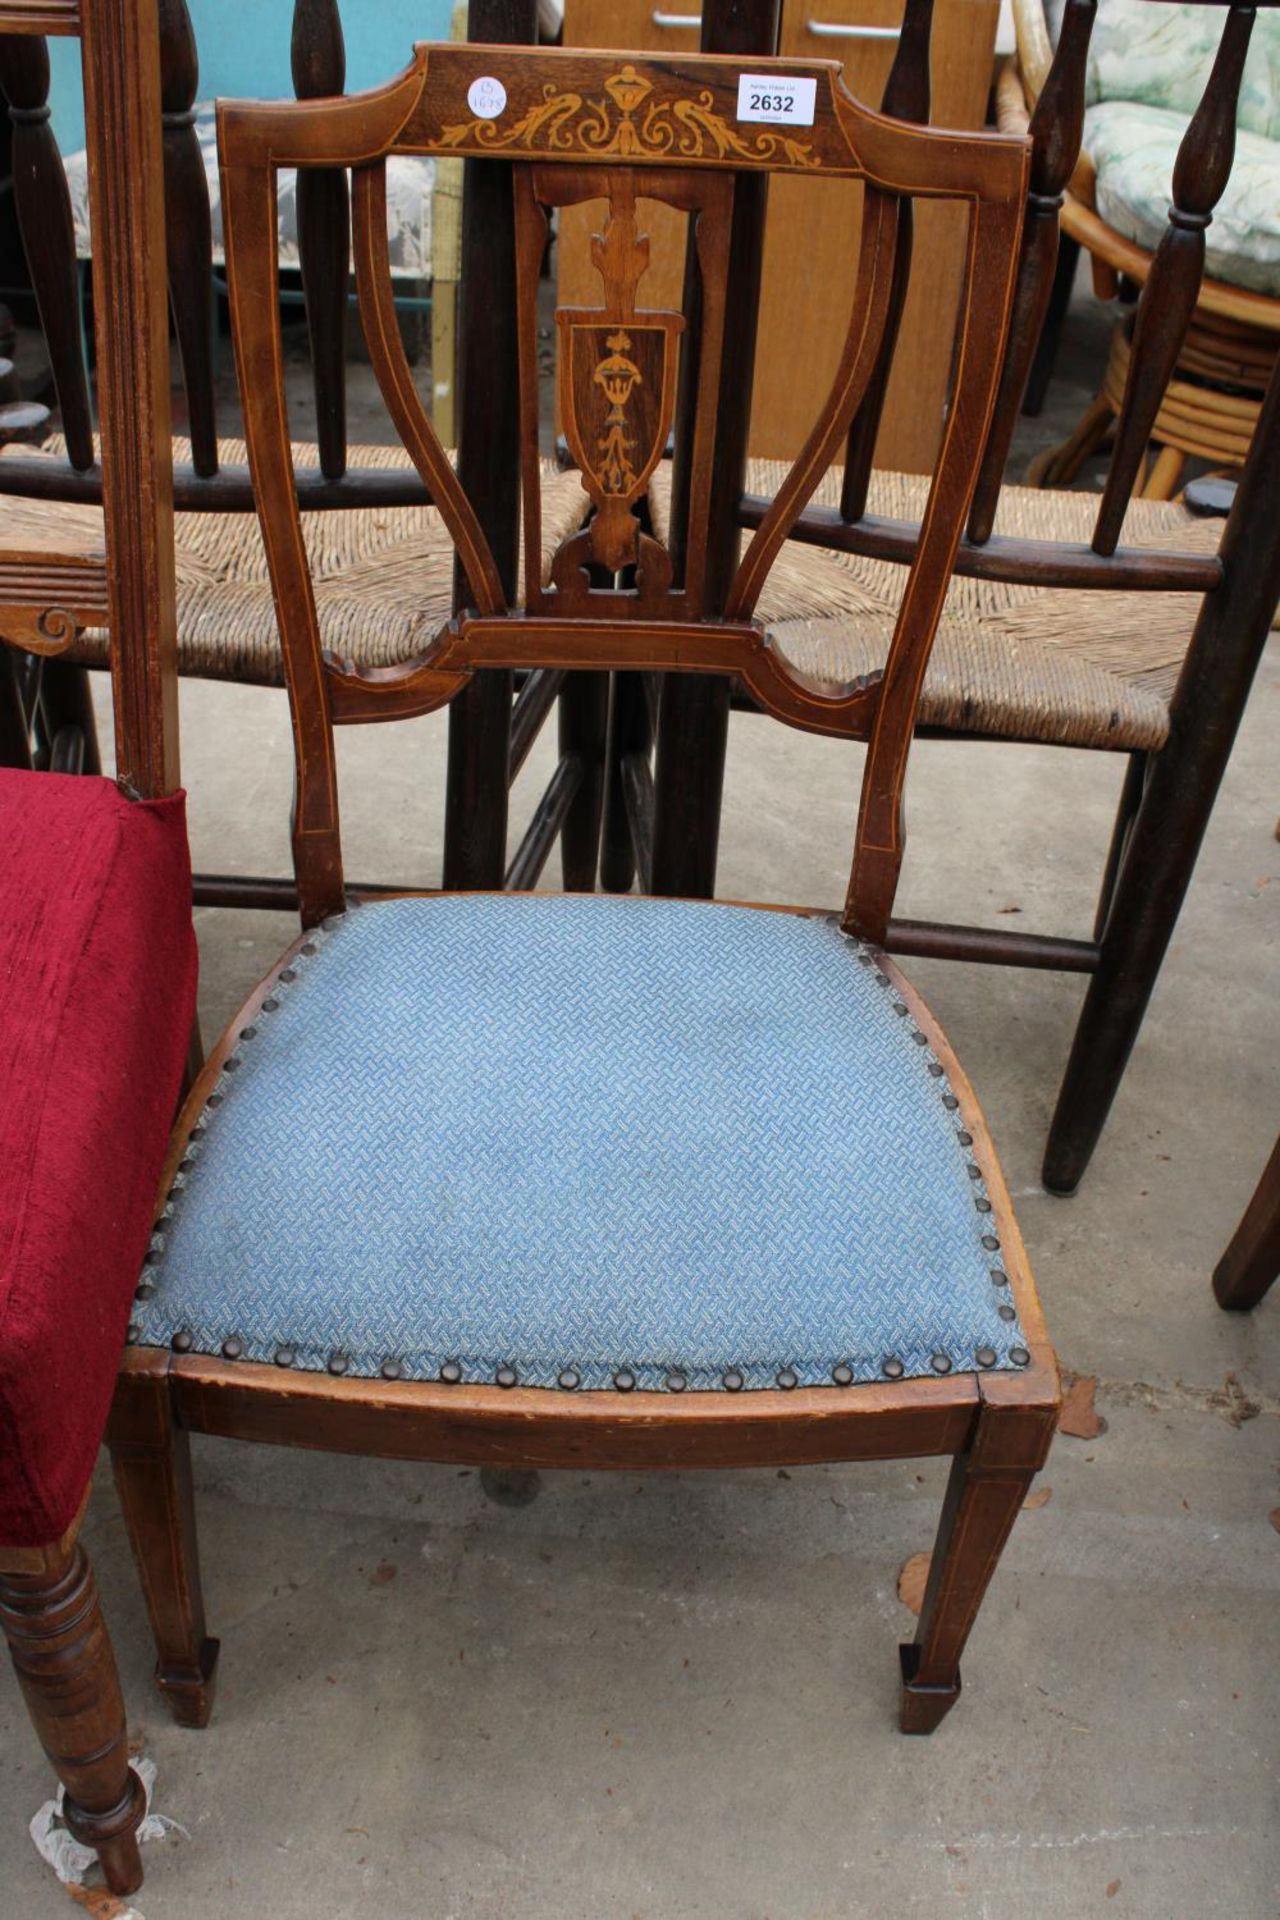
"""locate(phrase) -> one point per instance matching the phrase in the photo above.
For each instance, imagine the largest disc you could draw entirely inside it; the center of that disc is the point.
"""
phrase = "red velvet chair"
(97, 958)
(97, 996)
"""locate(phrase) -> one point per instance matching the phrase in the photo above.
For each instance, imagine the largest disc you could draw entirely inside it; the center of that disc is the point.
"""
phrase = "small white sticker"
(774, 97)
(487, 97)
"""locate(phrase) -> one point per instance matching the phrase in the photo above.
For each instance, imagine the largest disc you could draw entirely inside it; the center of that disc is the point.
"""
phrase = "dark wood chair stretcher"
(1133, 629)
(596, 1177)
(226, 626)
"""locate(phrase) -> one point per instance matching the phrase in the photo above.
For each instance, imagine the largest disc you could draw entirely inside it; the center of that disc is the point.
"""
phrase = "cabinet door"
(811, 239)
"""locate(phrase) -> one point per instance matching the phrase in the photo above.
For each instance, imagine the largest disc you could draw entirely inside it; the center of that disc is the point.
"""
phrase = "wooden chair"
(374, 522)
(1251, 1263)
(1133, 629)
(97, 953)
(552, 1181)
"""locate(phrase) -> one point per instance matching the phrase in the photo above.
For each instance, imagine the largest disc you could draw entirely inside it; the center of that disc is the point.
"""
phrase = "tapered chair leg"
(583, 722)
(987, 1487)
(151, 1458)
(1251, 1263)
(58, 1641)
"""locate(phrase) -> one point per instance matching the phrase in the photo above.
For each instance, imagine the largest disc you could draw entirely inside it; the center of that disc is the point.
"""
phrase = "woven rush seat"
(1064, 667)
(582, 1142)
(383, 575)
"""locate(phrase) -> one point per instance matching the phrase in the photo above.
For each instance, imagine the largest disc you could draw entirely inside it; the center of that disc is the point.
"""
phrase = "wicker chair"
(1147, 68)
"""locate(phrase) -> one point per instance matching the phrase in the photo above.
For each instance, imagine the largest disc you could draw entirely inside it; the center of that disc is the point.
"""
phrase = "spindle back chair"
(1152, 625)
(615, 1315)
(230, 635)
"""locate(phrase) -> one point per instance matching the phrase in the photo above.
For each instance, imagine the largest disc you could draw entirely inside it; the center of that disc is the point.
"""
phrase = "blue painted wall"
(244, 51)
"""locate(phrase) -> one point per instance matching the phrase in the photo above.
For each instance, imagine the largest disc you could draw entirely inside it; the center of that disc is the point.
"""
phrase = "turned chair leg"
(987, 1487)
(151, 1459)
(1252, 1261)
(53, 1623)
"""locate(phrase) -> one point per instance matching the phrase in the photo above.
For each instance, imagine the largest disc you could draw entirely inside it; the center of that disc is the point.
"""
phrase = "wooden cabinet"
(811, 232)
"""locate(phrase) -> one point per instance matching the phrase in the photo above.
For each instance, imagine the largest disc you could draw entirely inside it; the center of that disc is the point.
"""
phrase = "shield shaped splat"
(617, 395)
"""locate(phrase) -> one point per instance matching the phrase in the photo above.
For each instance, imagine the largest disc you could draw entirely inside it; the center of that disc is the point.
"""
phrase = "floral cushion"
(1161, 56)
(1133, 148)
(411, 181)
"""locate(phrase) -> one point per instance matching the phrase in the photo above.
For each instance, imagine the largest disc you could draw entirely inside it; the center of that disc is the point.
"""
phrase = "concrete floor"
(659, 1698)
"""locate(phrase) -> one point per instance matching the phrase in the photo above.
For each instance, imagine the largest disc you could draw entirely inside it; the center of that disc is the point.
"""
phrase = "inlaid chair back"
(574, 128)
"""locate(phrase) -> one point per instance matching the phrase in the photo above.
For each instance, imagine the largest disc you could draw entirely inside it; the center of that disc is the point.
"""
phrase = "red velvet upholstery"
(97, 993)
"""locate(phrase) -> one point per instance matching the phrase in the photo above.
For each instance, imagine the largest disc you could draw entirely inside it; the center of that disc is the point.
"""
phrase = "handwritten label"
(775, 98)
(487, 97)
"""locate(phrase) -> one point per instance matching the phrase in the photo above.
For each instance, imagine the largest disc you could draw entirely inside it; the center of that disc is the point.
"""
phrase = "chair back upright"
(49, 590)
(695, 133)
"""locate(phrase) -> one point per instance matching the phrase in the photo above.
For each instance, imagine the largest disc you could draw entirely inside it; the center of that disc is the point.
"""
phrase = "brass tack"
(624, 1380)
(145, 1291)
(973, 1170)
(983, 1206)
(990, 1242)
(248, 1033)
(232, 1347)
(1006, 1312)
(285, 1356)
(965, 1139)
(941, 1363)
(214, 1100)
(999, 1278)
(506, 1376)
(569, 1379)
(289, 973)
(451, 1373)
(950, 1102)
(675, 1383)
(900, 1006)
(892, 1367)
(338, 1363)
(133, 1333)
(985, 1356)
(230, 1064)
(182, 1341)
(842, 1375)
(882, 979)
(332, 924)
(1019, 1356)
(732, 1381)
(935, 1068)
(865, 958)
(787, 1378)
(392, 1370)
(310, 947)
(271, 1005)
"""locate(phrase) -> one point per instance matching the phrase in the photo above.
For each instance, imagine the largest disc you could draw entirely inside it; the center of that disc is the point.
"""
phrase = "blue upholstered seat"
(584, 1142)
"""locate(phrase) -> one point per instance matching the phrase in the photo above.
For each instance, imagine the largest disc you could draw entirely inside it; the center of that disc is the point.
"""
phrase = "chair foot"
(52, 1620)
(921, 1709)
(189, 1692)
(511, 1486)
